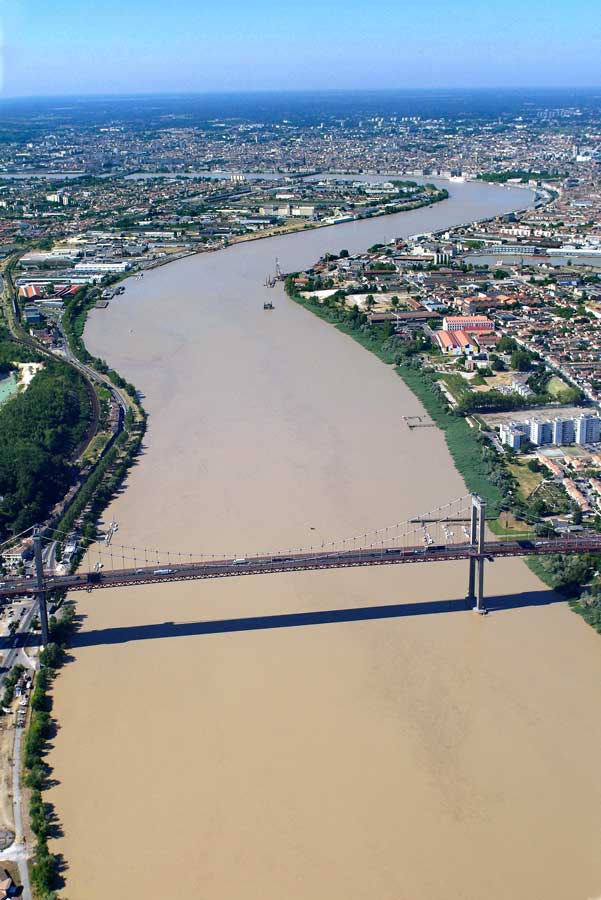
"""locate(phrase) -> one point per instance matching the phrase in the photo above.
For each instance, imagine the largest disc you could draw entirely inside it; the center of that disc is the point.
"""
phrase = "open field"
(528, 481)
(556, 386)
(508, 526)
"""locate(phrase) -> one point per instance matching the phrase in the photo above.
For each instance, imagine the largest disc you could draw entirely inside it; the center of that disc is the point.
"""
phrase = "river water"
(215, 743)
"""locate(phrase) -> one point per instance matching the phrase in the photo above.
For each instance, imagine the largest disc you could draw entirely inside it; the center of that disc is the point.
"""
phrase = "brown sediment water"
(213, 744)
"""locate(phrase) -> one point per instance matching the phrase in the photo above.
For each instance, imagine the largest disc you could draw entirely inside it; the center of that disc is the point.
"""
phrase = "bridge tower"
(475, 590)
(40, 584)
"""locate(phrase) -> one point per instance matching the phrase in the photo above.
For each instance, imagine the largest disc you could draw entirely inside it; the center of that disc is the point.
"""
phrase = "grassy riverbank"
(483, 469)
(46, 867)
(111, 469)
(91, 500)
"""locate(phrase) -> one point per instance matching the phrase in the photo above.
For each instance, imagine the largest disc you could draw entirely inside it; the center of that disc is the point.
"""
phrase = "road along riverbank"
(412, 752)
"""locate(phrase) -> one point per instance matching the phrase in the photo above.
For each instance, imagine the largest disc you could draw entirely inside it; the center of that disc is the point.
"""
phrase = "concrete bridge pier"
(475, 589)
(40, 585)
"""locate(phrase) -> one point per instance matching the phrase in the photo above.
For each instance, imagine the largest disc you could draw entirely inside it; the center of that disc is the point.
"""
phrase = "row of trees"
(45, 872)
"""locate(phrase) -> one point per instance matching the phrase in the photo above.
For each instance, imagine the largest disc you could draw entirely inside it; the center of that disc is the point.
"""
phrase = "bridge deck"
(264, 565)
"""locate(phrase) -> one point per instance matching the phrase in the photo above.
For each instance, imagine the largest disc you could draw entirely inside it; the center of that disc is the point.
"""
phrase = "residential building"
(585, 429)
(541, 431)
(563, 431)
(512, 435)
(588, 430)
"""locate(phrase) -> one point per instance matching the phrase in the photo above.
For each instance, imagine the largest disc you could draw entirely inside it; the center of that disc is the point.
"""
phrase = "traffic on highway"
(258, 565)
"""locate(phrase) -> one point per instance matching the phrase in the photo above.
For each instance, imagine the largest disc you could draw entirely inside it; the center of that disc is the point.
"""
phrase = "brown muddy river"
(409, 752)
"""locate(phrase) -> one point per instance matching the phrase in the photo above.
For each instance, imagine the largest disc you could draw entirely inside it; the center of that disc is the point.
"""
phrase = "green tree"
(521, 361)
(506, 344)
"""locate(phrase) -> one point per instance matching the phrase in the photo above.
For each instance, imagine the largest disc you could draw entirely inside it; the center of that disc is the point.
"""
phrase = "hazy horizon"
(148, 48)
(438, 89)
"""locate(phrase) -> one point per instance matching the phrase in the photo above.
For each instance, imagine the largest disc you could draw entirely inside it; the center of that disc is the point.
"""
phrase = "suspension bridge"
(455, 531)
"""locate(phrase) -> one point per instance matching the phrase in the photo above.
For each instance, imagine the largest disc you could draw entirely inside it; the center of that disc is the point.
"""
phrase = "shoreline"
(453, 427)
(471, 456)
(295, 229)
(261, 237)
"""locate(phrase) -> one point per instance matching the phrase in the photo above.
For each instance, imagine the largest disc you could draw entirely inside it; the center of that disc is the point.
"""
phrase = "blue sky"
(122, 46)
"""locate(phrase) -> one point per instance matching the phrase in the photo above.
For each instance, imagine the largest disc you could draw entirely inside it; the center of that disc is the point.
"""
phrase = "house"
(519, 385)
(487, 340)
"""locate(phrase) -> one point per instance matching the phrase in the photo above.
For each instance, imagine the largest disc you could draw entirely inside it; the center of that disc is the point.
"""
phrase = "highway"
(307, 561)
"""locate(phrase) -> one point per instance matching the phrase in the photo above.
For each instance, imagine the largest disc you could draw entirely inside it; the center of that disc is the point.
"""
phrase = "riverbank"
(82, 506)
(321, 704)
(46, 867)
(480, 465)
(466, 447)
(120, 450)
(295, 227)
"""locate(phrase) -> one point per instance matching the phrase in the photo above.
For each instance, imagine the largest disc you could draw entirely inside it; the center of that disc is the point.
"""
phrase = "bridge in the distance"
(460, 535)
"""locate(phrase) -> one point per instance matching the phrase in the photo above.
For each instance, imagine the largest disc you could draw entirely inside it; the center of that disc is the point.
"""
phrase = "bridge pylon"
(40, 584)
(475, 589)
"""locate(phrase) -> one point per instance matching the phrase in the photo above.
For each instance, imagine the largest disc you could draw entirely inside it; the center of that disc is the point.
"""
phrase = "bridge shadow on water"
(160, 630)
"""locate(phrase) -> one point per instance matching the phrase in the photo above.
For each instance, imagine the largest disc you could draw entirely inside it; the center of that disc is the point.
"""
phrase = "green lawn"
(526, 479)
(96, 446)
(556, 386)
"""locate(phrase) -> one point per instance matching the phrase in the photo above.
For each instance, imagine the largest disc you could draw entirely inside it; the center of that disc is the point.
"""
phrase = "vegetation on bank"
(46, 868)
(577, 578)
(101, 486)
(74, 323)
(109, 473)
(482, 467)
(38, 431)
(523, 175)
